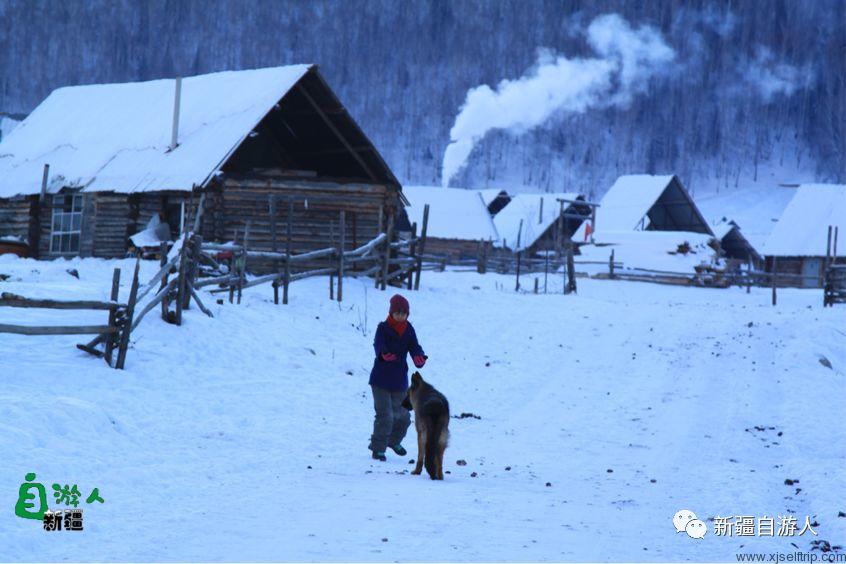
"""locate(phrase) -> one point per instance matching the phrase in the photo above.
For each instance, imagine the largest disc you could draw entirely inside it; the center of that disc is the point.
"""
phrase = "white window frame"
(65, 223)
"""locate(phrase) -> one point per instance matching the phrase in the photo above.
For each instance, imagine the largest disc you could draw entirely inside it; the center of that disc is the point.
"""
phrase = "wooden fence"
(114, 334)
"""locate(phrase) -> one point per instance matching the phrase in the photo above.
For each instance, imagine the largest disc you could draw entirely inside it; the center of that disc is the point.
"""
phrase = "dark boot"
(399, 449)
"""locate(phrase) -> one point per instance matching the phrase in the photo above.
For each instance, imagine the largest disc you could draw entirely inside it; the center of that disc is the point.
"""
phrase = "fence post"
(343, 227)
(242, 263)
(611, 265)
(196, 249)
(233, 268)
(411, 249)
(381, 229)
(536, 285)
(571, 268)
(127, 322)
(517, 249)
(275, 285)
(774, 281)
(749, 276)
(331, 287)
(180, 284)
(110, 340)
(422, 246)
(287, 278)
(387, 251)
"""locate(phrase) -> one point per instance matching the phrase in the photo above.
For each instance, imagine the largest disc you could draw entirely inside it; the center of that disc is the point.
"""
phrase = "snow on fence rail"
(115, 333)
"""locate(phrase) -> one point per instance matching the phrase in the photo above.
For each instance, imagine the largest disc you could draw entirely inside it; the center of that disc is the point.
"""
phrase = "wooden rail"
(116, 332)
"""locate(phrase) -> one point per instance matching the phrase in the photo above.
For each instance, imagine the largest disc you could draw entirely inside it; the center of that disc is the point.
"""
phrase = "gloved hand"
(419, 360)
(389, 357)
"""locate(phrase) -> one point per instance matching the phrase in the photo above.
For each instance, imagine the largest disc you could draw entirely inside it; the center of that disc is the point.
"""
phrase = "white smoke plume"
(770, 77)
(627, 59)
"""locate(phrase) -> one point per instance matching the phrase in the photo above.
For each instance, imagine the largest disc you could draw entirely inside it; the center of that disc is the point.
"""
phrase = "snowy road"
(244, 437)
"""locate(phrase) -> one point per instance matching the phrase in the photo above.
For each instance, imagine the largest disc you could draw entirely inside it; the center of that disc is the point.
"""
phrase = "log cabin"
(93, 165)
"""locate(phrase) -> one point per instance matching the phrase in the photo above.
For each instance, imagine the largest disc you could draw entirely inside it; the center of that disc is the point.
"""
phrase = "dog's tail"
(437, 414)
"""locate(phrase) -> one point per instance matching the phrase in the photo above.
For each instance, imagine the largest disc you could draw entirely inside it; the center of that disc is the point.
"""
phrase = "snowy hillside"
(7, 124)
(600, 415)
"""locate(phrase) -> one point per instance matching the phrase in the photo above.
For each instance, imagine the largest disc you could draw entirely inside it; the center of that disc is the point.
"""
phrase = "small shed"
(248, 144)
(642, 202)
(734, 245)
(459, 223)
(537, 221)
(797, 245)
(495, 199)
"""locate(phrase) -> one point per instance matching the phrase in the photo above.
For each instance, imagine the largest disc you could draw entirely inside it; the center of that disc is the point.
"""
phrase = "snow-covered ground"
(244, 437)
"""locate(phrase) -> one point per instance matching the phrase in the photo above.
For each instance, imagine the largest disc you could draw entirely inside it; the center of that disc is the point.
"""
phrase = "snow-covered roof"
(527, 207)
(116, 136)
(626, 204)
(650, 250)
(722, 229)
(802, 230)
(454, 213)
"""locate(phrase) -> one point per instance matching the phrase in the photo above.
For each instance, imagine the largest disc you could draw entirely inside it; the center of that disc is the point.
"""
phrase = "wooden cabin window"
(67, 223)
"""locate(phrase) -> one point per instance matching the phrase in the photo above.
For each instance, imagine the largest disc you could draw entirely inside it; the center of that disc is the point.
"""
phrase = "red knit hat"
(398, 303)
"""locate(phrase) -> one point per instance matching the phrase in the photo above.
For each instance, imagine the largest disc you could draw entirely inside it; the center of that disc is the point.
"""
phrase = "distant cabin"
(532, 223)
(643, 202)
(734, 245)
(247, 144)
(798, 242)
(459, 222)
(495, 199)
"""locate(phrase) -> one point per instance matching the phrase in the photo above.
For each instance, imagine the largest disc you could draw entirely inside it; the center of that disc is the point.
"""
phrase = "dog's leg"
(441, 449)
(421, 445)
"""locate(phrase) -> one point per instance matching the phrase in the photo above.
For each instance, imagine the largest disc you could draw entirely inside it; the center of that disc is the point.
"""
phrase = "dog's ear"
(416, 379)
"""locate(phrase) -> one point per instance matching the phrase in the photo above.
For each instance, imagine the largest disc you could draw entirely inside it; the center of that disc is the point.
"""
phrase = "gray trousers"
(391, 421)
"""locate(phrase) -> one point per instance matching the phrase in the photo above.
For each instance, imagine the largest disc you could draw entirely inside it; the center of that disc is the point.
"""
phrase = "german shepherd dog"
(431, 420)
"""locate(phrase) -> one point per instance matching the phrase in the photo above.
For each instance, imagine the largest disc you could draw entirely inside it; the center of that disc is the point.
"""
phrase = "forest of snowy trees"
(752, 85)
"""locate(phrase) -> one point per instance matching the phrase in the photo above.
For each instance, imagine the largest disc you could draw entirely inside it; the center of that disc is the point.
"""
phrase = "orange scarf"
(398, 326)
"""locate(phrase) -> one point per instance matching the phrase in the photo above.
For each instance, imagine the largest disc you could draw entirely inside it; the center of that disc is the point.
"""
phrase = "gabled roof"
(454, 213)
(733, 242)
(631, 200)
(117, 136)
(536, 221)
(722, 229)
(802, 230)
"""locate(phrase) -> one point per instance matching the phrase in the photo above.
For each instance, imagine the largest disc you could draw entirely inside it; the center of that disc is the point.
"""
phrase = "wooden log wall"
(453, 249)
(108, 219)
(16, 219)
(144, 205)
(317, 207)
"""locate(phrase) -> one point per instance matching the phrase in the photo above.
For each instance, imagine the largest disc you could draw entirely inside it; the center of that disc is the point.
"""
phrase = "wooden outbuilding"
(735, 246)
(459, 224)
(532, 223)
(641, 202)
(92, 165)
(799, 243)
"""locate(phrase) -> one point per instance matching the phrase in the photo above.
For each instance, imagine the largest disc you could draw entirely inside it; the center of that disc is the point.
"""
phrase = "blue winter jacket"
(393, 375)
